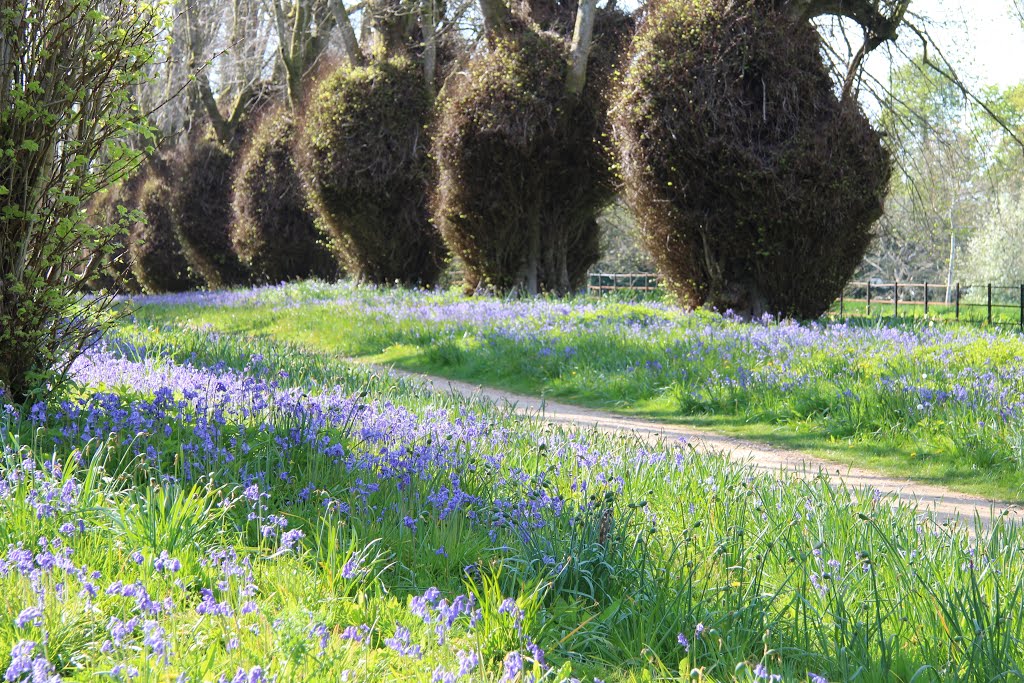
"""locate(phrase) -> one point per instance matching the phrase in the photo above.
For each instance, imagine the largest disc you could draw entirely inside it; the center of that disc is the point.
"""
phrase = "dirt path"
(944, 503)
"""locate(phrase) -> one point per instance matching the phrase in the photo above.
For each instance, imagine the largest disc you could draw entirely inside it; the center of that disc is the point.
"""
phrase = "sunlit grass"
(227, 507)
(941, 404)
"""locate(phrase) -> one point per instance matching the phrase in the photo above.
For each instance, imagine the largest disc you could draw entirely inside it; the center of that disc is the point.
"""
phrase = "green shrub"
(364, 160)
(157, 258)
(273, 231)
(200, 200)
(754, 186)
(67, 74)
(524, 171)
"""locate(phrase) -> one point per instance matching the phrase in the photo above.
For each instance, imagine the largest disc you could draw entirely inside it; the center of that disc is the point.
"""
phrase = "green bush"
(364, 160)
(524, 170)
(200, 180)
(67, 74)
(157, 258)
(754, 186)
(273, 231)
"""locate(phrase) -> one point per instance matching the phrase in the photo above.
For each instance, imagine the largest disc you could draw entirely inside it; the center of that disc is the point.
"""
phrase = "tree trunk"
(201, 82)
(497, 17)
(579, 53)
(348, 34)
(428, 23)
(867, 13)
(533, 247)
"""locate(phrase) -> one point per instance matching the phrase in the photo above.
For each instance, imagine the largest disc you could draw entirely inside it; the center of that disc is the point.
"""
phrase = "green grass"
(886, 434)
(169, 476)
(1006, 315)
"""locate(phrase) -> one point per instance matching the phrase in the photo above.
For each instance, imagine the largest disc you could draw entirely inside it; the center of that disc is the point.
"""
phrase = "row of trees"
(738, 151)
(505, 152)
(228, 202)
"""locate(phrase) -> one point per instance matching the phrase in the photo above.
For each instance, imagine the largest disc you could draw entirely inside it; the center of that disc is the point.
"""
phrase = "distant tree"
(622, 248)
(111, 208)
(272, 231)
(67, 73)
(521, 146)
(755, 184)
(156, 256)
(218, 121)
(994, 254)
(364, 146)
(936, 189)
(955, 164)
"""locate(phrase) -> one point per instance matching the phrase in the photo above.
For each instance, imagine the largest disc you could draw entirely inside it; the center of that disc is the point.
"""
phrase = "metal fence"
(602, 283)
(987, 304)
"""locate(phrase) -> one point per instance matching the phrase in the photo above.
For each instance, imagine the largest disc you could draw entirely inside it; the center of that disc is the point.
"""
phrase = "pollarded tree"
(273, 232)
(754, 183)
(112, 207)
(203, 164)
(367, 170)
(524, 170)
(200, 202)
(363, 146)
(156, 256)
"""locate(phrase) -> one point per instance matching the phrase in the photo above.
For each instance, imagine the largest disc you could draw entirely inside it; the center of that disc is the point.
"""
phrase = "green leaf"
(30, 145)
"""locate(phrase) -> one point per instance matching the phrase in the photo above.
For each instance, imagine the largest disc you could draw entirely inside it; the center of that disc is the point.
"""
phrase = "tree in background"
(524, 166)
(994, 254)
(937, 190)
(754, 183)
(622, 248)
(364, 145)
(957, 171)
(216, 125)
(273, 230)
(156, 256)
(110, 208)
(67, 71)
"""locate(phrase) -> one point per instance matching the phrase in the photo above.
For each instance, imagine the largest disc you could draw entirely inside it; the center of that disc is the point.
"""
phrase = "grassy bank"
(208, 507)
(940, 404)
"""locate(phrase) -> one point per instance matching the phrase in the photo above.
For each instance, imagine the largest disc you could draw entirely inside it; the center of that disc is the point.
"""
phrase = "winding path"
(944, 503)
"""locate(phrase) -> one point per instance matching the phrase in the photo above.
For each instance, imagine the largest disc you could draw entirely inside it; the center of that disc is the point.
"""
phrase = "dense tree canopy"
(755, 186)
(524, 165)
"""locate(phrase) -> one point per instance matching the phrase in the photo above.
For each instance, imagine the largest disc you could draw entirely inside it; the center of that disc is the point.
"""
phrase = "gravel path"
(942, 502)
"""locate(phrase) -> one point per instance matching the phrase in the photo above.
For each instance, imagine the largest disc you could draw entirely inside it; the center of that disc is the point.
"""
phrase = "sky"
(984, 40)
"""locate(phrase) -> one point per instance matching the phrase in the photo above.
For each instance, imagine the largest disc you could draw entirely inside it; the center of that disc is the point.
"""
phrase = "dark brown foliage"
(200, 177)
(273, 231)
(754, 186)
(524, 170)
(157, 258)
(363, 156)
(114, 269)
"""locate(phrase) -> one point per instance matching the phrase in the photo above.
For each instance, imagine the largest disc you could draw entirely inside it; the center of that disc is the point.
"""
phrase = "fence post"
(843, 291)
(895, 299)
(958, 301)
(1022, 308)
(926, 299)
(990, 303)
(869, 297)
